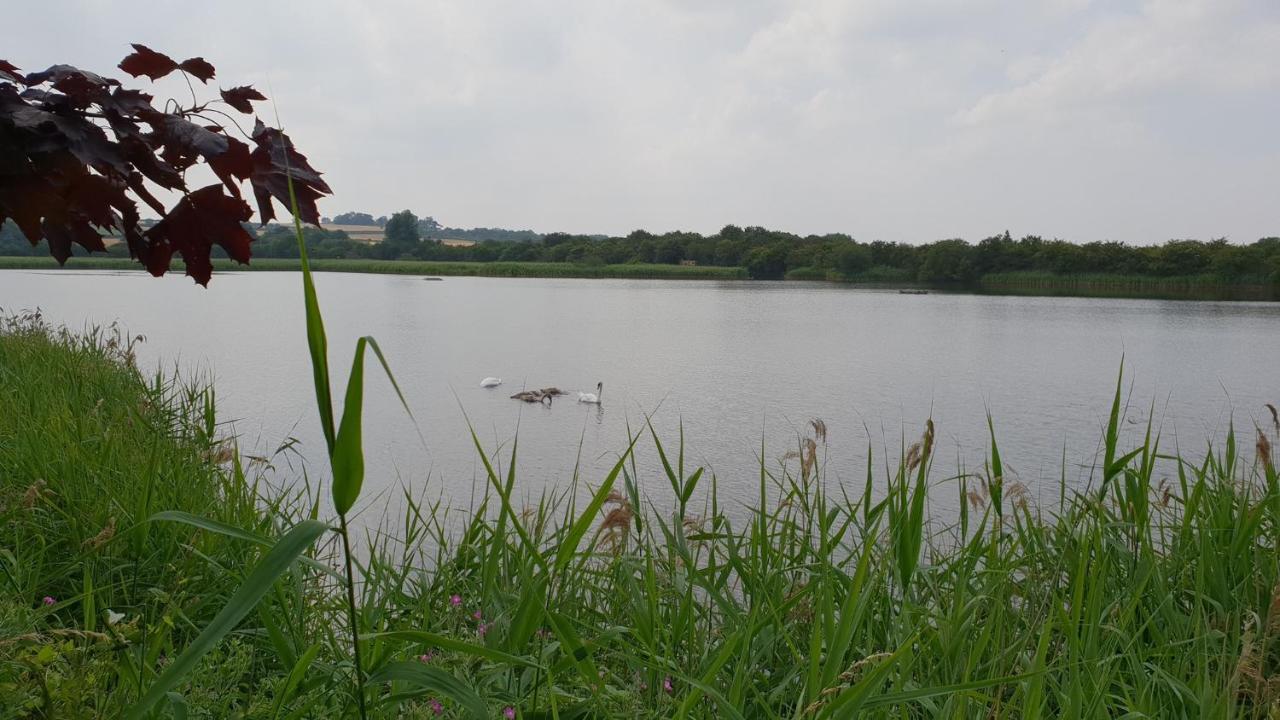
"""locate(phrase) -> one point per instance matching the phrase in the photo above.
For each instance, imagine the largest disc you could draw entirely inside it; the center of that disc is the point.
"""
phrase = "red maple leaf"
(275, 163)
(78, 151)
(205, 218)
(198, 68)
(239, 97)
(145, 61)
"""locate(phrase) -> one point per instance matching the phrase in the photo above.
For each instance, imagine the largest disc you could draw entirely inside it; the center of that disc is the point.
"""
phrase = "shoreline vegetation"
(408, 267)
(129, 522)
(1193, 287)
(1031, 265)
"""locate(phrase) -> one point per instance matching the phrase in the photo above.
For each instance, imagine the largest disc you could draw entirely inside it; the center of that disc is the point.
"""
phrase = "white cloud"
(904, 121)
(1170, 47)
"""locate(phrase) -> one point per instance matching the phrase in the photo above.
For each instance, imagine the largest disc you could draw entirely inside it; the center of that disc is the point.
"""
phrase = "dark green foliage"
(401, 239)
(993, 263)
(354, 218)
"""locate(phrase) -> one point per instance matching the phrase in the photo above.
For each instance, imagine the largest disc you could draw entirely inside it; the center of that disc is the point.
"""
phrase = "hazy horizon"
(1132, 121)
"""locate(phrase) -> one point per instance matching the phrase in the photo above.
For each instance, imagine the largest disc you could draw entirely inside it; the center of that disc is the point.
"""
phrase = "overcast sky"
(884, 119)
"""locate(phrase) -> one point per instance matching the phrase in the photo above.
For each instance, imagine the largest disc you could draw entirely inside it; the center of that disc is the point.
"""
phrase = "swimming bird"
(592, 398)
(490, 382)
(551, 391)
(532, 396)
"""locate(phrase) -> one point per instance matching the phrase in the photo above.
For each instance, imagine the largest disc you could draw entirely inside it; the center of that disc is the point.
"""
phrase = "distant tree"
(730, 251)
(947, 261)
(732, 233)
(701, 251)
(354, 218)
(13, 243)
(519, 252)
(767, 262)
(1183, 257)
(428, 226)
(851, 258)
(1062, 257)
(400, 235)
(669, 251)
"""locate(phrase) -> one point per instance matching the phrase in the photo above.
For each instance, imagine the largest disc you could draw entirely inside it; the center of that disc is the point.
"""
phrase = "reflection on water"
(735, 363)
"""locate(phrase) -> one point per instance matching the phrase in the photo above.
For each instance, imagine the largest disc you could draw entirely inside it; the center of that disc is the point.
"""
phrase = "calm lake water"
(736, 362)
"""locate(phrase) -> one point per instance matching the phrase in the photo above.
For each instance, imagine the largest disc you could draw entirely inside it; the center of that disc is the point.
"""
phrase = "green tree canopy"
(400, 235)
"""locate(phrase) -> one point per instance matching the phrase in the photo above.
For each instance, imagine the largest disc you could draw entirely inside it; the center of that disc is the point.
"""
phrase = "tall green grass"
(1194, 287)
(1152, 592)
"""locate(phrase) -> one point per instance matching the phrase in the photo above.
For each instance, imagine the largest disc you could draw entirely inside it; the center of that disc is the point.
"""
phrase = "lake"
(737, 363)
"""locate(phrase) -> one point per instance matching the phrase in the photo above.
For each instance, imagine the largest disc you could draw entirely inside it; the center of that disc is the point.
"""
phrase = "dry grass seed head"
(809, 459)
(219, 454)
(107, 532)
(33, 494)
(977, 500)
(1273, 613)
(618, 519)
(1248, 673)
(913, 457)
(851, 674)
(819, 429)
(1019, 495)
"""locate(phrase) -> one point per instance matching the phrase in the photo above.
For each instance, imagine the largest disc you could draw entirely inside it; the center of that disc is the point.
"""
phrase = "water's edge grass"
(1146, 595)
(411, 267)
(1193, 287)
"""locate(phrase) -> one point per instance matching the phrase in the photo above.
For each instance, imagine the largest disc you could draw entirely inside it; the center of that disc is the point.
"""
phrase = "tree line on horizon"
(770, 254)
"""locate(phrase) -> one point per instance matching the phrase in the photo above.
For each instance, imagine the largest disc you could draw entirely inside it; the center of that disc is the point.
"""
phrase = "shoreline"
(1134, 287)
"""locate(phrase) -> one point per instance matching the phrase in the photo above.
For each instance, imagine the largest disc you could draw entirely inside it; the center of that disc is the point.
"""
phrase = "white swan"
(592, 398)
(490, 382)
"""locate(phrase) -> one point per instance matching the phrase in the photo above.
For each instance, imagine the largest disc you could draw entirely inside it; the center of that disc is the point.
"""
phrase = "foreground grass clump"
(1148, 594)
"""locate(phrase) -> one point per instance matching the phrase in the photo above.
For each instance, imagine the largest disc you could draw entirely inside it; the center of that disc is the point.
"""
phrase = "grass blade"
(432, 679)
(272, 566)
(348, 450)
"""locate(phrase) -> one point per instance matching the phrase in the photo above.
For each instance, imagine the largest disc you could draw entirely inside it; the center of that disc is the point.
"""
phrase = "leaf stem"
(352, 615)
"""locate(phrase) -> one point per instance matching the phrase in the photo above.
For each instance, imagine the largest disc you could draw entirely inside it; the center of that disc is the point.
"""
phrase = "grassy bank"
(1145, 596)
(1194, 287)
(416, 267)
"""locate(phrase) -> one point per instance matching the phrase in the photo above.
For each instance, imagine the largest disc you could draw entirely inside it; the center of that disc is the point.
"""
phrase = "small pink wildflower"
(455, 600)
(477, 615)
(436, 707)
(481, 629)
(666, 684)
(509, 713)
(426, 657)
(48, 600)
